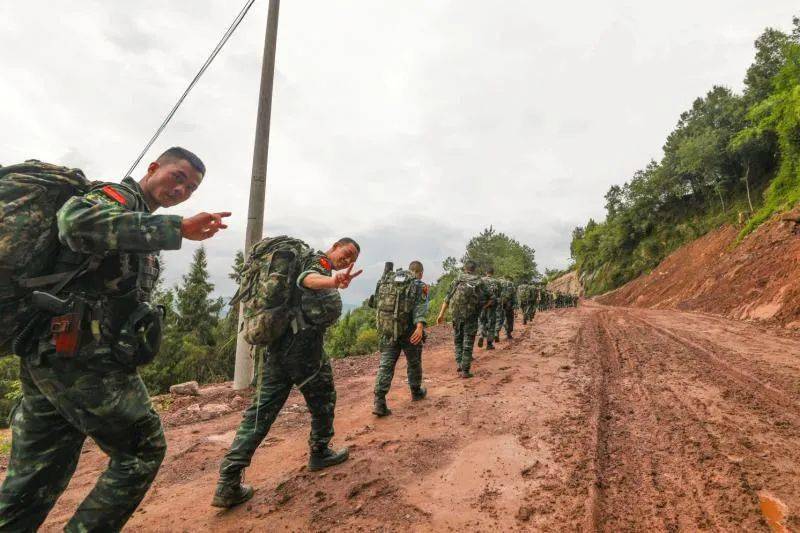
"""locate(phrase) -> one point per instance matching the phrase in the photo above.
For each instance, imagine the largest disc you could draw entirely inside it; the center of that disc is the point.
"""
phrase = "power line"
(214, 52)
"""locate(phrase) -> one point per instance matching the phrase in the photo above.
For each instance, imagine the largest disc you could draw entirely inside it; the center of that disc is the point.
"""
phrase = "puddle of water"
(774, 512)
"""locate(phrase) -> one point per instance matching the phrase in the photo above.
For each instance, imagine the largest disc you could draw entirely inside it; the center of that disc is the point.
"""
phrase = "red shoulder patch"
(326, 264)
(425, 290)
(114, 195)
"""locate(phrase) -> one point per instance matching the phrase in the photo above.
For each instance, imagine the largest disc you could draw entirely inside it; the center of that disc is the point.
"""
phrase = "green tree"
(197, 311)
(191, 348)
(508, 257)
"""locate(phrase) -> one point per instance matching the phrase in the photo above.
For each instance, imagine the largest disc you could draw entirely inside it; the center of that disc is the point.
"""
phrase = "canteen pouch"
(139, 340)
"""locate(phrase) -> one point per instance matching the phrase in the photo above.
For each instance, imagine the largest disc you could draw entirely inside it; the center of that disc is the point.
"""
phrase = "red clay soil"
(591, 419)
(757, 280)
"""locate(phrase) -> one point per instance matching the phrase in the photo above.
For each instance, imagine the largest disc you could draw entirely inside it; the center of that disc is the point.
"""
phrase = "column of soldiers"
(83, 335)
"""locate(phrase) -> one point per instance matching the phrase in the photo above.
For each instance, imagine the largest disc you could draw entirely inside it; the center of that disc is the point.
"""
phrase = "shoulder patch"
(425, 289)
(114, 195)
(326, 264)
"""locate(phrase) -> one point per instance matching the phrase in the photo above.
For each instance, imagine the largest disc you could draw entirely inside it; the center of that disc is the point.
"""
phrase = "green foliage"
(717, 162)
(10, 388)
(352, 333)
(779, 116)
(508, 257)
(197, 344)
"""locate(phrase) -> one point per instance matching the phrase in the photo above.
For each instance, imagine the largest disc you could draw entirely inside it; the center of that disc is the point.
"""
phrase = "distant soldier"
(488, 316)
(79, 357)
(523, 300)
(505, 311)
(401, 302)
(288, 312)
(527, 295)
(467, 296)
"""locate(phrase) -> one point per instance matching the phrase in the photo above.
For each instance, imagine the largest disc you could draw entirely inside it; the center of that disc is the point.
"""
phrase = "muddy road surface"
(590, 419)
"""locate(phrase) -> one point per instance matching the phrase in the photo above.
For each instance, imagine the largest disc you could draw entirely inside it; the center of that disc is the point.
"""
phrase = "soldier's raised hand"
(203, 225)
(342, 279)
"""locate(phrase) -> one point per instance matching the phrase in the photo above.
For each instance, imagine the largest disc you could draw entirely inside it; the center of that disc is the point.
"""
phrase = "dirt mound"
(756, 280)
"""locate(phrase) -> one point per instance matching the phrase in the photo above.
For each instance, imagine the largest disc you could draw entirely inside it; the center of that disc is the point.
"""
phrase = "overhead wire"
(227, 35)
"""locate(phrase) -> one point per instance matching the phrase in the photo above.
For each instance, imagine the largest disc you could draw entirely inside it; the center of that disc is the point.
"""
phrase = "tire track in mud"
(687, 480)
(715, 437)
(774, 395)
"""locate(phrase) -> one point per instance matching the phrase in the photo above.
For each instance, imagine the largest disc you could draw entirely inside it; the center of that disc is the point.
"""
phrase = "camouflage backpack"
(506, 292)
(467, 297)
(395, 301)
(524, 294)
(31, 194)
(268, 289)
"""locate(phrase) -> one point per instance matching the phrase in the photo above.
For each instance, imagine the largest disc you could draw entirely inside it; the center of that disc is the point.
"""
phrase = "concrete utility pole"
(243, 371)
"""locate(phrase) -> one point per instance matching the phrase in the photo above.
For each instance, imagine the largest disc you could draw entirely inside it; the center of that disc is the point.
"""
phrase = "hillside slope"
(758, 279)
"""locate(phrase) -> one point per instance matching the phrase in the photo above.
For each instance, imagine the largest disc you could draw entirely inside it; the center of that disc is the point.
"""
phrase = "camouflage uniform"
(391, 348)
(488, 316)
(465, 330)
(296, 359)
(97, 392)
(505, 311)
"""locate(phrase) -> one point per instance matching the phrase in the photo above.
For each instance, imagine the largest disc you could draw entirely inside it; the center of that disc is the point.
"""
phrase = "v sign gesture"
(342, 279)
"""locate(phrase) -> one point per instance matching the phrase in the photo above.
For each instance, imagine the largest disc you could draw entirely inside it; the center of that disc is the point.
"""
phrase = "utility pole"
(243, 371)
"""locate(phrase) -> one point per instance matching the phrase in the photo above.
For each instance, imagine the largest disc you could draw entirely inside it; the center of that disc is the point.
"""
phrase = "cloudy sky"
(408, 125)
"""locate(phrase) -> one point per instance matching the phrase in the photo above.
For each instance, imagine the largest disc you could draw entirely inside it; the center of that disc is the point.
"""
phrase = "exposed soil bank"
(757, 280)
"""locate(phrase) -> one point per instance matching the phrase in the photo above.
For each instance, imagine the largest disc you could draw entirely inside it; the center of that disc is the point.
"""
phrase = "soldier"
(401, 299)
(467, 296)
(505, 311)
(488, 316)
(79, 374)
(524, 300)
(298, 358)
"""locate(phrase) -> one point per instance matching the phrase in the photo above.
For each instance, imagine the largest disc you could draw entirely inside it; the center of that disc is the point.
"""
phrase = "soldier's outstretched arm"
(339, 280)
(102, 220)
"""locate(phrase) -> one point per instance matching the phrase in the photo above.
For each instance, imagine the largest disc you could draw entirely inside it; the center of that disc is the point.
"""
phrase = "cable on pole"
(227, 35)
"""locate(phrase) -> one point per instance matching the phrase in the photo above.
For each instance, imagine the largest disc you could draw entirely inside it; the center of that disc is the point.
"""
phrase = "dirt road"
(595, 418)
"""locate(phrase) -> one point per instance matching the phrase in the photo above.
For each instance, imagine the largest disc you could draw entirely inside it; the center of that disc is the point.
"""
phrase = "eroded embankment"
(757, 279)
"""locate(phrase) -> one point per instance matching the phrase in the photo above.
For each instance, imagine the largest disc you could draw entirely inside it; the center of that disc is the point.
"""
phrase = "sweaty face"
(343, 256)
(172, 182)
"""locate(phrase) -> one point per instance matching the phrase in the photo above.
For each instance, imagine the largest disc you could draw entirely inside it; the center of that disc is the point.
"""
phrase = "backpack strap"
(61, 279)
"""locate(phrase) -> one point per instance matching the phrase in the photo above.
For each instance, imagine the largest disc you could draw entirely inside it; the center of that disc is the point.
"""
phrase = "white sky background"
(408, 125)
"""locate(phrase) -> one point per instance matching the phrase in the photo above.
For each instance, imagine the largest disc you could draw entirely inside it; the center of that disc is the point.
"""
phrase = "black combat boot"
(419, 394)
(466, 374)
(326, 457)
(508, 336)
(497, 338)
(379, 407)
(490, 346)
(231, 494)
(480, 342)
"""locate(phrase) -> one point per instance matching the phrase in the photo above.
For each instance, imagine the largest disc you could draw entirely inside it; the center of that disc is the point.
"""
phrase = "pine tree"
(198, 313)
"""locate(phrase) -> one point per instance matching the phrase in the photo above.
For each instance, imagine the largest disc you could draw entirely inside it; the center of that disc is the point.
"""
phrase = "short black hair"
(177, 153)
(490, 270)
(344, 241)
(416, 266)
(470, 266)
